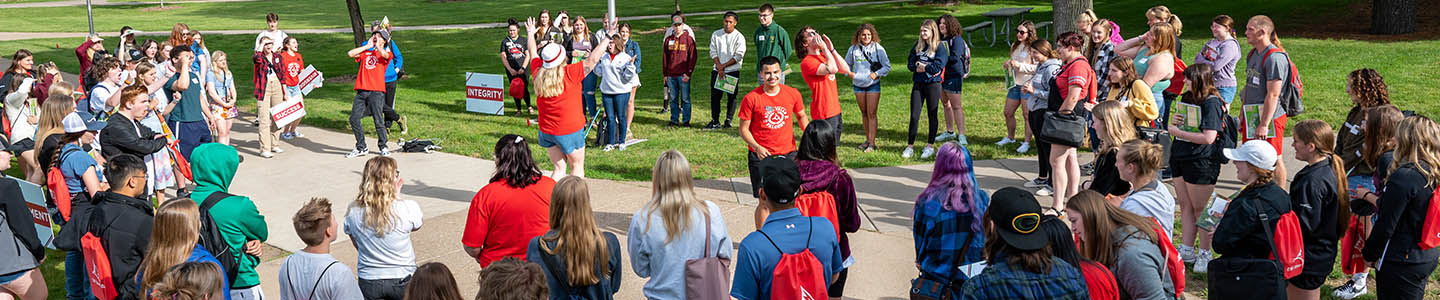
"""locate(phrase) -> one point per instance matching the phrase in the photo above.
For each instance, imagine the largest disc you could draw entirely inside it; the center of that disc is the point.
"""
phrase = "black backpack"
(1227, 138)
(214, 241)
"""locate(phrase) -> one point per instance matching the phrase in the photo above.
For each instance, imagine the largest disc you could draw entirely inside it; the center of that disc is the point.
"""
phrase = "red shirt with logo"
(772, 118)
(291, 63)
(372, 70)
(562, 114)
(824, 98)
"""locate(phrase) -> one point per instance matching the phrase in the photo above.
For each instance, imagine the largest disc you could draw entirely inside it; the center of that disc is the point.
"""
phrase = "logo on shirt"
(371, 62)
(775, 117)
(293, 69)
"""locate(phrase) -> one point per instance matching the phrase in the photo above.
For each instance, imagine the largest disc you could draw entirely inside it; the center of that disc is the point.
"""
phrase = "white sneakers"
(944, 136)
(1202, 261)
(1004, 141)
(267, 154)
(1024, 148)
(928, 152)
(1187, 253)
(909, 152)
(1351, 289)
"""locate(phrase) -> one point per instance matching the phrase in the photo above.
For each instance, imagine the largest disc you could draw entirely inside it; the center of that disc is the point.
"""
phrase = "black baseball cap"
(1016, 216)
(779, 178)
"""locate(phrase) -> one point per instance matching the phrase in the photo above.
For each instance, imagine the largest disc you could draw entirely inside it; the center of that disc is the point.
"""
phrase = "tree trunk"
(356, 21)
(1392, 17)
(1065, 12)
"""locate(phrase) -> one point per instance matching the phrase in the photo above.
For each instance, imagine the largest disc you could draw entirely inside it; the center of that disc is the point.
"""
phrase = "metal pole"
(612, 12)
(90, 16)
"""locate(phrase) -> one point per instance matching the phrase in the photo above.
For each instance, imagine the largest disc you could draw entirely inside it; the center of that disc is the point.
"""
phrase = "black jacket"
(1315, 199)
(1107, 178)
(18, 216)
(120, 136)
(123, 224)
(1239, 233)
(1402, 213)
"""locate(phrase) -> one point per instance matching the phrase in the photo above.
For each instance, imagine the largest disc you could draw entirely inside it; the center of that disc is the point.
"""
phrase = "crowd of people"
(157, 115)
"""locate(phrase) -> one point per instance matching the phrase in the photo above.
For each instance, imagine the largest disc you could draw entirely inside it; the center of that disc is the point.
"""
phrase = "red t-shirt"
(824, 98)
(561, 115)
(775, 128)
(503, 219)
(1099, 281)
(292, 65)
(1077, 72)
(372, 71)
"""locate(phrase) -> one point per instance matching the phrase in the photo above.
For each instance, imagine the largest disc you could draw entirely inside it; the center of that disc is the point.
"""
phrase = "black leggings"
(1037, 121)
(929, 95)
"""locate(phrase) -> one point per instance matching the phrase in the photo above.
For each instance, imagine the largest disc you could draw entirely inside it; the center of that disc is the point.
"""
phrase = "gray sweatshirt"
(1044, 74)
(1139, 267)
(858, 57)
(1152, 200)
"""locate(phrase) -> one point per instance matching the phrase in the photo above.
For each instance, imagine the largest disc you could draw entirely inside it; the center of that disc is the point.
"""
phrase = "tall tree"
(356, 21)
(1065, 12)
(1392, 17)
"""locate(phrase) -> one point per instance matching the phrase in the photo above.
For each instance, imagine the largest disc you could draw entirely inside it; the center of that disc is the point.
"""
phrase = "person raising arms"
(558, 85)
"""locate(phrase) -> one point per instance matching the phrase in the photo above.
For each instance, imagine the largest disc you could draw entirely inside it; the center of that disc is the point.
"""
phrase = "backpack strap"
(213, 199)
(318, 278)
(706, 254)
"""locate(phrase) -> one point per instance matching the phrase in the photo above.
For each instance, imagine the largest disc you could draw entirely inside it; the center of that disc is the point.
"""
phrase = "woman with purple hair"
(948, 217)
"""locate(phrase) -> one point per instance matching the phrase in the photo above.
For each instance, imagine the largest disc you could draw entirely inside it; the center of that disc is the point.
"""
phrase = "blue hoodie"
(396, 63)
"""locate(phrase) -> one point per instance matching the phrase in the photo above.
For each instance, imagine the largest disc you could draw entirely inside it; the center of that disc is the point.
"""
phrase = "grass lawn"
(307, 14)
(433, 97)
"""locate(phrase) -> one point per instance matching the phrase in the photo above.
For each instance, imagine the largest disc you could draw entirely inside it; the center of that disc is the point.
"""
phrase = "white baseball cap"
(1255, 152)
(552, 55)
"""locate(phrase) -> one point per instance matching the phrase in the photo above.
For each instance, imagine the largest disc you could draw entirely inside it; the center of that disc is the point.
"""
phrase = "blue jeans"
(77, 284)
(587, 95)
(679, 99)
(615, 108)
(1227, 93)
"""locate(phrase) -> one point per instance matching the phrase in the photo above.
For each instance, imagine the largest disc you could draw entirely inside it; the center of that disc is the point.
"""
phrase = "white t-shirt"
(385, 257)
(727, 46)
(99, 94)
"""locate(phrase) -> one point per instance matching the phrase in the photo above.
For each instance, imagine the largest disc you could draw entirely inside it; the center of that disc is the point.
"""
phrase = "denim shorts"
(1227, 93)
(873, 88)
(953, 85)
(567, 142)
(292, 91)
(1016, 94)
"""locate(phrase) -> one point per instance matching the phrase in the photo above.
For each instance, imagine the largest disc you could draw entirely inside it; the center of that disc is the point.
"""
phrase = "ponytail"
(1146, 156)
(1337, 165)
(1318, 134)
(1174, 21)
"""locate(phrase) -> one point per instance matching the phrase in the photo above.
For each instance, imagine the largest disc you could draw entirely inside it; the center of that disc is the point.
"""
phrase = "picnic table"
(1008, 13)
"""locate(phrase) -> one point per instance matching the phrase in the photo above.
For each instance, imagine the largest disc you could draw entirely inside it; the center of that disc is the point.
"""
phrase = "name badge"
(760, 38)
(672, 42)
(1255, 80)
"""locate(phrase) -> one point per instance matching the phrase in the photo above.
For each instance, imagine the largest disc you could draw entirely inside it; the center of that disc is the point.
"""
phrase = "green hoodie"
(214, 167)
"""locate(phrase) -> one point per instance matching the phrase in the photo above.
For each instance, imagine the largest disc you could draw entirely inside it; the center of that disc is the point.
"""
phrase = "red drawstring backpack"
(1430, 231)
(1173, 264)
(59, 190)
(1289, 244)
(517, 88)
(97, 264)
(798, 276)
(819, 204)
(1351, 260)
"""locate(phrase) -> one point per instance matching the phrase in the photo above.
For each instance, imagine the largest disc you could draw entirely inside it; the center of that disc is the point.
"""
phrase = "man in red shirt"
(776, 106)
(819, 66)
(373, 57)
(678, 62)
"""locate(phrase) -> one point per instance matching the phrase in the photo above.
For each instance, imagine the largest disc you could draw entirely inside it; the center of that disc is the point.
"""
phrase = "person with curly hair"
(1367, 90)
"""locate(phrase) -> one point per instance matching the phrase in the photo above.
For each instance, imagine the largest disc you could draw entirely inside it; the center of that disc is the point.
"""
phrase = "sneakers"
(384, 151)
(1202, 261)
(276, 150)
(944, 136)
(296, 134)
(621, 147)
(962, 140)
(1024, 147)
(1350, 290)
(1038, 182)
(357, 153)
(286, 136)
(609, 147)
(712, 125)
(1044, 191)
(909, 152)
(267, 154)
(1187, 253)
(1087, 169)
(1004, 141)
(928, 152)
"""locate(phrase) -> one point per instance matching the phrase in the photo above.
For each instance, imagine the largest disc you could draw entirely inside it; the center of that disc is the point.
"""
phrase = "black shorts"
(1196, 171)
(21, 146)
(751, 159)
(1307, 281)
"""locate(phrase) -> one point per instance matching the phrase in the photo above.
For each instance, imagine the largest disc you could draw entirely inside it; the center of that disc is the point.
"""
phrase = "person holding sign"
(557, 87)
(727, 51)
(818, 67)
(1193, 157)
(291, 62)
(373, 57)
(269, 62)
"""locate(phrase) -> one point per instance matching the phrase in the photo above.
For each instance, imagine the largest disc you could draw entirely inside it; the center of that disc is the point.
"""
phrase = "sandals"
(867, 147)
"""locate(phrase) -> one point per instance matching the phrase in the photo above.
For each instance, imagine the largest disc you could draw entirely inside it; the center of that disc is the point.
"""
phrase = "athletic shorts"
(953, 85)
(567, 142)
(1307, 281)
(1196, 171)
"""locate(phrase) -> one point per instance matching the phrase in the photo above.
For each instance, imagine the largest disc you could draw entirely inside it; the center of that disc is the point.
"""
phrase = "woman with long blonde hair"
(174, 239)
(927, 60)
(674, 227)
(50, 129)
(562, 119)
(1114, 126)
(1405, 200)
(379, 224)
(589, 258)
(220, 84)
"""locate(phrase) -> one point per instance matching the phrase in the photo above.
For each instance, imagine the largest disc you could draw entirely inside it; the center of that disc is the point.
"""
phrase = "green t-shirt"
(772, 41)
(190, 101)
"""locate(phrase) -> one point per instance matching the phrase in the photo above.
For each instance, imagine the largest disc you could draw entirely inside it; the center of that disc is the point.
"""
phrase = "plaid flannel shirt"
(939, 235)
(1101, 61)
(1000, 281)
(264, 65)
